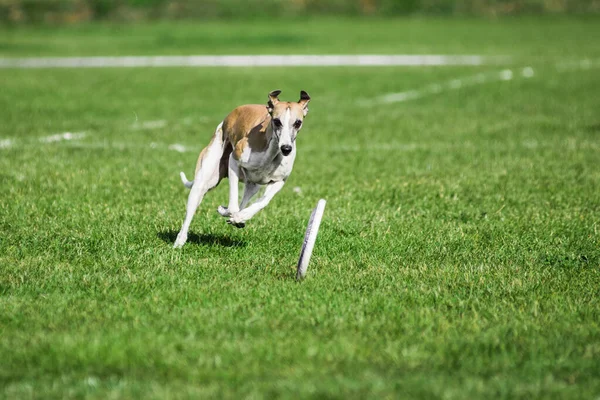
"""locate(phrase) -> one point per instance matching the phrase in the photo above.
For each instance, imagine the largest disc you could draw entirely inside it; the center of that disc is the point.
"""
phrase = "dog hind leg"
(207, 177)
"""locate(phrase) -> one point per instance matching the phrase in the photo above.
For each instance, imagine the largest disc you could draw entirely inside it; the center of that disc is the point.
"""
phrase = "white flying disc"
(309, 238)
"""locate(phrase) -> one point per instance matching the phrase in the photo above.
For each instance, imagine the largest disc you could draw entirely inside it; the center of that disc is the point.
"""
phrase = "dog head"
(287, 118)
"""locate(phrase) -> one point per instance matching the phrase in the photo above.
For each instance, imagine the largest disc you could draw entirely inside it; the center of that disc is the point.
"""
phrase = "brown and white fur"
(254, 144)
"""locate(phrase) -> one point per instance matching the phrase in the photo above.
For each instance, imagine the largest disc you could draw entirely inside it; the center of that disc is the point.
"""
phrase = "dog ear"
(273, 100)
(304, 99)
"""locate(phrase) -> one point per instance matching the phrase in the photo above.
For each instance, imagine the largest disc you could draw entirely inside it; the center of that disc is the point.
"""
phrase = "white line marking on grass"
(107, 146)
(454, 84)
(157, 124)
(400, 97)
(6, 143)
(527, 72)
(178, 147)
(584, 64)
(477, 79)
(351, 148)
(62, 136)
(132, 146)
(506, 75)
(252, 61)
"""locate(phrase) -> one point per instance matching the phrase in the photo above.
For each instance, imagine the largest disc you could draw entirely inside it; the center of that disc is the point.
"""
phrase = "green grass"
(528, 37)
(458, 257)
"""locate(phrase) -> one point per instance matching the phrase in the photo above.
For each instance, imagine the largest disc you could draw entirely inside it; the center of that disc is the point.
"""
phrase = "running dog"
(255, 144)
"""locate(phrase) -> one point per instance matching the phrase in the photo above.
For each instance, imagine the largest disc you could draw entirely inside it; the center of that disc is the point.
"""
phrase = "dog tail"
(186, 183)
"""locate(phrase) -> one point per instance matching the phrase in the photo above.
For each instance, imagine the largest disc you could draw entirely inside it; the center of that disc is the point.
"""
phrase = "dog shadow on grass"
(203, 239)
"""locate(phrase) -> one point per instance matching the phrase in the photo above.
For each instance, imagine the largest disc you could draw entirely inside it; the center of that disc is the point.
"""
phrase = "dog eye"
(277, 123)
(297, 124)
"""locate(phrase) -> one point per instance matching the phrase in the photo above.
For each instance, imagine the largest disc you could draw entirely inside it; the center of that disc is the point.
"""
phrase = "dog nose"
(286, 149)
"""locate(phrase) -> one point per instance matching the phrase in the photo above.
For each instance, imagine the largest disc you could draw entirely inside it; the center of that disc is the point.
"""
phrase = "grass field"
(459, 255)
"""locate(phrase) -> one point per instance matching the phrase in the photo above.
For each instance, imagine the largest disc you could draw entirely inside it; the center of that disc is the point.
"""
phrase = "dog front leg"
(239, 219)
(250, 189)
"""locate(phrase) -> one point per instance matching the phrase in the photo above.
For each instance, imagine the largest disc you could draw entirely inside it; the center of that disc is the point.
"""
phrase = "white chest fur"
(263, 168)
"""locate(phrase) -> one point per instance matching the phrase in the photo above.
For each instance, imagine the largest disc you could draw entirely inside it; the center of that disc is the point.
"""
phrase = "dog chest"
(268, 171)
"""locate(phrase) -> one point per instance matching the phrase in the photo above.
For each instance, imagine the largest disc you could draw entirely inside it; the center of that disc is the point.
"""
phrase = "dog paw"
(180, 241)
(224, 212)
(237, 224)
(236, 221)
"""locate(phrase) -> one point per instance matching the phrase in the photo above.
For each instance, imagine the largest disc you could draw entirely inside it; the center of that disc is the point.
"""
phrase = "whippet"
(254, 144)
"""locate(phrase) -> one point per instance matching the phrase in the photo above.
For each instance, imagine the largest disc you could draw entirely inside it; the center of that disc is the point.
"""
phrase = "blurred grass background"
(76, 11)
